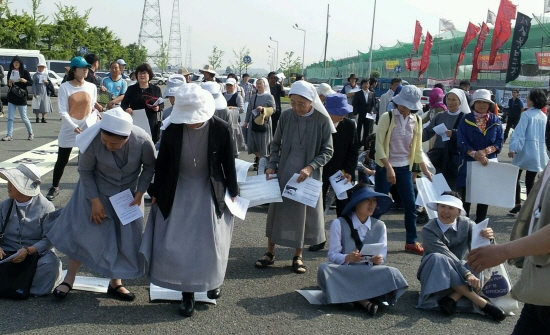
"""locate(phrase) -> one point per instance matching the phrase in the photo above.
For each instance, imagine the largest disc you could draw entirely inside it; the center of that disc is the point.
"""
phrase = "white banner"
(530, 82)
(547, 6)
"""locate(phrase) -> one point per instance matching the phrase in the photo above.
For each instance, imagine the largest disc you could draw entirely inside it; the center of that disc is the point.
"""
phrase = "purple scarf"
(436, 98)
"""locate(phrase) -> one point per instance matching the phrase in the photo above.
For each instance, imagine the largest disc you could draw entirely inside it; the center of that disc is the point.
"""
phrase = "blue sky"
(234, 24)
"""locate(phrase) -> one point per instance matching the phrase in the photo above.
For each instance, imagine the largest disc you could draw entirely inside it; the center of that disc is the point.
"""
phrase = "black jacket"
(23, 73)
(346, 146)
(134, 97)
(360, 106)
(220, 159)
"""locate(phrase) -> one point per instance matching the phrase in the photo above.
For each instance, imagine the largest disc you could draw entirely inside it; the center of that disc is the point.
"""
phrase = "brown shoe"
(415, 248)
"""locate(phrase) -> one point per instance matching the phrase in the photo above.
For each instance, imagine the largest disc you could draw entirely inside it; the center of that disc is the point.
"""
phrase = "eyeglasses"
(298, 104)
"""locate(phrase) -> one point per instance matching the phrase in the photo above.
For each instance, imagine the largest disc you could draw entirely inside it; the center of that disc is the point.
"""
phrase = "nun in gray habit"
(115, 156)
(307, 132)
(448, 283)
(25, 228)
(351, 276)
(188, 234)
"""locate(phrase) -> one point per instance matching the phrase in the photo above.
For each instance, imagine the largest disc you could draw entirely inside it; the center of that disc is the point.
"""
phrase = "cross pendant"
(194, 162)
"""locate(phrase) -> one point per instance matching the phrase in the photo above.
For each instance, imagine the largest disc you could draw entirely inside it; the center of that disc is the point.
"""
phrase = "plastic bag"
(496, 287)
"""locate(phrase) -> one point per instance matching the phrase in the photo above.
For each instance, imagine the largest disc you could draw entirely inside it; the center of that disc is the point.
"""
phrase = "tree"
(216, 58)
(239, 66)
(163, 57)
(375, 74)
(135, 55)
(289, 64)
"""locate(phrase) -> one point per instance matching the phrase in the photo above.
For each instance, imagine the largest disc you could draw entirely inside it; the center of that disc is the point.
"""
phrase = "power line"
(174, 40)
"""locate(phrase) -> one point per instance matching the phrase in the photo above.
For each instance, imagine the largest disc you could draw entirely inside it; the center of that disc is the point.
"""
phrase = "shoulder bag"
(16, 278)
(18, 91)
(256, 127)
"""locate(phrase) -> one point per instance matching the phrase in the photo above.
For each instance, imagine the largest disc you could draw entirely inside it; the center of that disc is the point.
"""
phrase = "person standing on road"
(235, 104)
(76, 107)
(188, 233)
(142, 95)
(247, 87)
(302, 145)
(398, 148)
(40, 90)
(527, 144)
(18, 80)
(350, 88)
(115, 156)
(186, 74)
(363, 105)
(277, 91)
(515, 108)
(115, 85)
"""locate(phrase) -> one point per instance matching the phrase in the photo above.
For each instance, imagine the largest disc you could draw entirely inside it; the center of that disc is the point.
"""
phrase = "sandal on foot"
(298, 268)
(60, 294)
(371, 308)
(263, 263)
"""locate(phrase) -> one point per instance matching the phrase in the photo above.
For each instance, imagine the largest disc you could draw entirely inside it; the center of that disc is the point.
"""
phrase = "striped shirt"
(401, 139)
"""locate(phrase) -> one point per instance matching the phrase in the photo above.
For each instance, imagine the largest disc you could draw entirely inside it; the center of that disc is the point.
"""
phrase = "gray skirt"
(349, 283)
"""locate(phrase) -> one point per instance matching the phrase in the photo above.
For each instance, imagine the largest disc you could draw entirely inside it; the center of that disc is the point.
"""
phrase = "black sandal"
(298, 267)
(60, 294)
(264, 263)
(372, 308)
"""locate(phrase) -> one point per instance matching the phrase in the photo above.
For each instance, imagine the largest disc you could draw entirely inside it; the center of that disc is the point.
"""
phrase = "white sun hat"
(193, 105)
(409, 97)
(481, 95)
(448, 200)
(216, 90)
(25, 178)
(325, 89)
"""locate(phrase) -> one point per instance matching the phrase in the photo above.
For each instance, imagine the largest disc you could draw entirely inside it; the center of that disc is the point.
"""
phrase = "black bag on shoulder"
(18, 91)
(256, 127)
(16, 278)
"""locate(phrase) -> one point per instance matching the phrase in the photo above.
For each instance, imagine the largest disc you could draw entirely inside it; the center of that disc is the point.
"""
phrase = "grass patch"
(285, 100)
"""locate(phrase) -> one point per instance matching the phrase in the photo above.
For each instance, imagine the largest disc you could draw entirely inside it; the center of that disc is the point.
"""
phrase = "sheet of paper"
(161, 293)
(371, 178)
(91, 119)
(15, 76)
(158, 102)
(262, 166)
(440, 130)
(140, 120)
(477, 239)
(371, 116)
(340, 185)
(259, 191)
(314, 297)
(242, 169)
(373, 249)
(306, 192)
(237, 208)
(121, 204)
(431, 191)
(493, 185)
(8, 259)
(89, 284)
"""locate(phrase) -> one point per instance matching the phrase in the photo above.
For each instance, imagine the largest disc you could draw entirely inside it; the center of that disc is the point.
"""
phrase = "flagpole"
(371, 39)
(326, 41)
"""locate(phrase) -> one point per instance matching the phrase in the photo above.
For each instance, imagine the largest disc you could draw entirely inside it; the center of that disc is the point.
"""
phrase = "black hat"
(352, 76)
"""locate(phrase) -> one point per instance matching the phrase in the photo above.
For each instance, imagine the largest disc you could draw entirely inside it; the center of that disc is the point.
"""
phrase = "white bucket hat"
(193, 105)
(41, 64)
(208, 68)
(174, 82)
(25, 178)
(216, 90)
(448, 200)
(325, 89)
(115, 121)
(481, 95)
(231, 81)
(409, 97)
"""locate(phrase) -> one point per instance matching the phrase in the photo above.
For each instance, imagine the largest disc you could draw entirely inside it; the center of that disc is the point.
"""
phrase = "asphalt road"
(253, 302)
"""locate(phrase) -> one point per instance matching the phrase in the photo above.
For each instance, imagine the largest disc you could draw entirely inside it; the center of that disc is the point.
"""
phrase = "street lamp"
(295, 26)
(276, 58)
(271, 58)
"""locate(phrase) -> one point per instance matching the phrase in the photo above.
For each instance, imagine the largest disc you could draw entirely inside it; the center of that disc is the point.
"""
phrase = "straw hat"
(25, 178)
(264, 114)
(208, 68)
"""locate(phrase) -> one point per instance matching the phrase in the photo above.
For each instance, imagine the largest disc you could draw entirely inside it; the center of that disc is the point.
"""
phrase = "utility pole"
(371, 38)
(150, 32)
(326, 42)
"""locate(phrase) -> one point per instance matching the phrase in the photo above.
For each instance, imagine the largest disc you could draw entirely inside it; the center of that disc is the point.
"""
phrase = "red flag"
(479, 46)
(471, 33)
(503, 27)
(408, 64)
(417, 35)
(425, 62)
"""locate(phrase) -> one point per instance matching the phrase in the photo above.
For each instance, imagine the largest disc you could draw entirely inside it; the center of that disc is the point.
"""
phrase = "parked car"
(31, 58)
(157, 79)
(58, 66)
(55, 82)
(425, 98)
(253, 81)
(337, 88)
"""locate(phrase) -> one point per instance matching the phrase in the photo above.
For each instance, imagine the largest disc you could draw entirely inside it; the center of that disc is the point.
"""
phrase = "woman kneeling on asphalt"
(342, 279)
(443, 273)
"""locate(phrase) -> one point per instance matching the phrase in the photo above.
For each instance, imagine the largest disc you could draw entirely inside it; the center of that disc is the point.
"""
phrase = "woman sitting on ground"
(340, 279)
(443, 273)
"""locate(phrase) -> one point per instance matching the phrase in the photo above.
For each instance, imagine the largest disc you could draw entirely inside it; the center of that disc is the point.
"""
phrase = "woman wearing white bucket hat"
(115, 156)
(22, 221)
(448, 283)
(194, 170)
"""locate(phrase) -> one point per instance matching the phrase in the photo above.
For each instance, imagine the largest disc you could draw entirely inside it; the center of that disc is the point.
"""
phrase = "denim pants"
(404, 185)
(22, 113)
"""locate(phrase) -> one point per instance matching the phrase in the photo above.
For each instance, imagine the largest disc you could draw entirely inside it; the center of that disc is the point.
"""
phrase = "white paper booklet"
(340, 185)
(431, 191)
(477, 239)
(306, 192)
(237, 208)
(121, 204)
(259, 191)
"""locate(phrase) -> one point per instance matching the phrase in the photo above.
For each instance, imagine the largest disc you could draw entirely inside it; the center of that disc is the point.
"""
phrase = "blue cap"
(383, 201)
(79, 62)
(337, 104)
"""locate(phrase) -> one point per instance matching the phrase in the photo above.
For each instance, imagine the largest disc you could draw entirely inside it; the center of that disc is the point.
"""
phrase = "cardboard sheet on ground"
(237, 208)
(314, 297)
(161, 293)
(140, 120)
(477, 239)
(306, 192)
(340, 185)
(259, 191)
(242, 169)
(121, 204)
(493, 185)
(431, 191)
(89, 284)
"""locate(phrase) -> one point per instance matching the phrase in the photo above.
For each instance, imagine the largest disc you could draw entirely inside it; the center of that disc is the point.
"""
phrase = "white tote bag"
(35, 103)
(496, 286)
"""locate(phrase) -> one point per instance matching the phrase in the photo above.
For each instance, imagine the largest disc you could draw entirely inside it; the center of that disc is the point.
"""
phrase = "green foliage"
(163, 57)
(216, 58)
(289, 64)
(238, 66)
(375, 74)
(60, 36)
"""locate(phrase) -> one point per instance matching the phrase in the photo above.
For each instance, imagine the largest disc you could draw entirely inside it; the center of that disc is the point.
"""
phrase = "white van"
(31, 58)
(58, 66)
